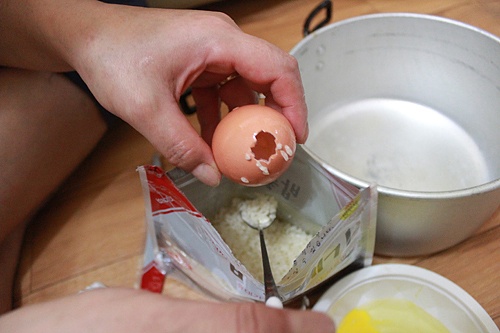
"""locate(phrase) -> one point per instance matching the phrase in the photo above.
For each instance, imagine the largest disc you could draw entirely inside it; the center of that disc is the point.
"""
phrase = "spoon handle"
(273, 298)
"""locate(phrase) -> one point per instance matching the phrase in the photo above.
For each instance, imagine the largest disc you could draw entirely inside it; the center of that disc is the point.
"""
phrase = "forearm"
(46, 34)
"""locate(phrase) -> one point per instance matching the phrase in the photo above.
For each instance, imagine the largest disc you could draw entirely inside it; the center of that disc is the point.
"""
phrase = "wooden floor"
(93, 228)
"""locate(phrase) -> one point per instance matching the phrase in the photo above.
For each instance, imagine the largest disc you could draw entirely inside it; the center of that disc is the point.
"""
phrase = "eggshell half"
(253, 145)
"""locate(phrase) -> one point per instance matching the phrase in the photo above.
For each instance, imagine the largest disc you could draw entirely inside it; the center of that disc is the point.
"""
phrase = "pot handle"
(327, 6)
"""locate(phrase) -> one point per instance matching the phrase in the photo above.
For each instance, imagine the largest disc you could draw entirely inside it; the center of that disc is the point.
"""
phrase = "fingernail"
(306, 132)
(207, 174)
(302, 139)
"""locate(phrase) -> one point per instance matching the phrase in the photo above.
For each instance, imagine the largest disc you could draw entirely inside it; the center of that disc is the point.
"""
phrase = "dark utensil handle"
(325, 5)
(269, 284)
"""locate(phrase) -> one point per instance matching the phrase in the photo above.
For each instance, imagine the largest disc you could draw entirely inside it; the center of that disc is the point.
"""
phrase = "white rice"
(284, 241)
(260, 211)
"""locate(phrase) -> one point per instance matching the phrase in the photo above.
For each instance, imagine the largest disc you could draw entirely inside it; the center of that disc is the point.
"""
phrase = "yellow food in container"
(390, 315)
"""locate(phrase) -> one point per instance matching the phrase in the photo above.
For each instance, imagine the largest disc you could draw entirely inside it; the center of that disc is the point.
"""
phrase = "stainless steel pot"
(411, 102)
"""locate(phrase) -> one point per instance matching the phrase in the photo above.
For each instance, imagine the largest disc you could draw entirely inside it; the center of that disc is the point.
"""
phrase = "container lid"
(440, 297)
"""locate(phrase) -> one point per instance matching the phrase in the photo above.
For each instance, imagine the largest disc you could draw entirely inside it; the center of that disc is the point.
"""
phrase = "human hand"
(136, 311)
(141, 60)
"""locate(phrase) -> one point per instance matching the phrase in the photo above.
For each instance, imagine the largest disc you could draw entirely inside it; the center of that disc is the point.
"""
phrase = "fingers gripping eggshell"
(253, 145)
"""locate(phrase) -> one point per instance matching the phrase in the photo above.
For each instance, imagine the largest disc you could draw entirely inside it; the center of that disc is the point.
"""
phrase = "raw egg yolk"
(390, 315)
(357, 321)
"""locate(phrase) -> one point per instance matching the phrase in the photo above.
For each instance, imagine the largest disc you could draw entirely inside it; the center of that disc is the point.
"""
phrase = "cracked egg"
(253, 145)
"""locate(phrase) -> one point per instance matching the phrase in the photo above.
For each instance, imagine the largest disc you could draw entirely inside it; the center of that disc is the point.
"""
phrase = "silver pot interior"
(411, 102)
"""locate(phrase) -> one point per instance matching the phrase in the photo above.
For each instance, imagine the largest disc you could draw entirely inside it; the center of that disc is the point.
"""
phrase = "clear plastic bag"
(181, 238)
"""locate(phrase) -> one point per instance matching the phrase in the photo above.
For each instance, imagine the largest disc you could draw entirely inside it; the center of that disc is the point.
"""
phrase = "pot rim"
(428, 17)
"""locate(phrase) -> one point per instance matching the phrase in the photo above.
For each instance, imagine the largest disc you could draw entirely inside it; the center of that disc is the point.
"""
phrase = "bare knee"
(47, 127)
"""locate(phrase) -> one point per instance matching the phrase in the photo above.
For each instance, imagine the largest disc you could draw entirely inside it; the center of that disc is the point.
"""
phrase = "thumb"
(253, 317)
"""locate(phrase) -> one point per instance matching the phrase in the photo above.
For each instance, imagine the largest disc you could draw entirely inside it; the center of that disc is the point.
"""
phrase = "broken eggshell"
(253, 145)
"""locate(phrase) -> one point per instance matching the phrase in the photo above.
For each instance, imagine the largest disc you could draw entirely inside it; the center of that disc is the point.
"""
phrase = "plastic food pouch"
(181, 238)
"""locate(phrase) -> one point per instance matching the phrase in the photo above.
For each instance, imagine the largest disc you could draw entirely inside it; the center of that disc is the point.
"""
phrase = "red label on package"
(152, 278)
(165, 196)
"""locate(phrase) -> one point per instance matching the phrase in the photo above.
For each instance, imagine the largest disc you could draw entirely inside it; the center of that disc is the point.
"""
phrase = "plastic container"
(440, 297)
